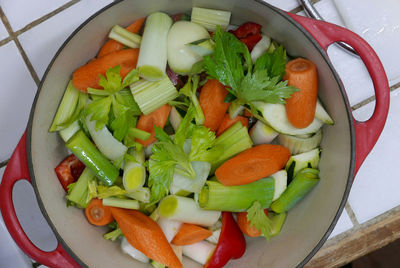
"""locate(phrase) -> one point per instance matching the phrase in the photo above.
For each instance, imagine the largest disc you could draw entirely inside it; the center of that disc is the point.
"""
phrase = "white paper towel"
(378, 22)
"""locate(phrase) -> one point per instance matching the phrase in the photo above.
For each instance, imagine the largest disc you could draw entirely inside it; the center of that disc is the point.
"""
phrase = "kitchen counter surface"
(30, 38)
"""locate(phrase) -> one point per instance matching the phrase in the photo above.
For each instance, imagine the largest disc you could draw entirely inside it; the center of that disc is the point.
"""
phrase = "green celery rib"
(121, 203)
(277, 221)
(152, 95)
(304, 181)
(234, 140)
(66, 108)
(138, 133)
(113, 235)
(216, 196)
(84, 149)
(79, 193)
(125, 37)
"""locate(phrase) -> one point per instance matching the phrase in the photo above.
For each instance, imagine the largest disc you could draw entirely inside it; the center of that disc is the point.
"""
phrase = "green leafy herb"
(258, 219)
(261, 84)
(104, 191)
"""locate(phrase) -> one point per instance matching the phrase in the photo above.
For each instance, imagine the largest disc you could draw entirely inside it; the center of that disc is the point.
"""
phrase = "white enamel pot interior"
(308, 224)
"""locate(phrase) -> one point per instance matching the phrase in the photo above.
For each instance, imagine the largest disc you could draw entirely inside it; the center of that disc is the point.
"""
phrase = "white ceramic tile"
(3, 31)
(286, 5)
(344, 223)
(376, 186)
(378, 22)
(351, 69)
(10, 254)
(16, 95)
(21, 12)
(42, 41)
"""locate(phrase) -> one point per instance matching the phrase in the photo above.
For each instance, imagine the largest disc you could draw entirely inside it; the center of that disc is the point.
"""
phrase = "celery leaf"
(263, 83)
(257, 218)
(99, 109)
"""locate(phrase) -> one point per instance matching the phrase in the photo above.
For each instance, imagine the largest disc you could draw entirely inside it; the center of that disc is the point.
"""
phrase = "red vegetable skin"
(251, 40)
(231, 243)
(246, 29)
(69, 170)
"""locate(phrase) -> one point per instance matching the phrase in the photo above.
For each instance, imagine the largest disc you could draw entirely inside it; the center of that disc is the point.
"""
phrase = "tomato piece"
(69, 170)
(246, 29)
(251, 40)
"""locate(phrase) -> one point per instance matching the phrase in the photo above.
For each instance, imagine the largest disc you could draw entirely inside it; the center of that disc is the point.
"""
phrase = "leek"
(180, 182)
(175, 118)
(105, 141)
(141, 194)
(200, 251)
(304, 181)
(69, 131)
(125, 37)
(235, 108)
(185, 209)
(66, 108)
(277, 221)
(215, 196)
(210, 18)
(84, 149)
(120, 203)
(134, 176)
(152, 59)
(261, 133)
(79, 193)
(127, 248)
(261, 47)
(152, 95)
(169, 227)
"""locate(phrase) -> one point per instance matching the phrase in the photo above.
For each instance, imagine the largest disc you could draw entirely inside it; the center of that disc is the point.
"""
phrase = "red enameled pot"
(344, 147)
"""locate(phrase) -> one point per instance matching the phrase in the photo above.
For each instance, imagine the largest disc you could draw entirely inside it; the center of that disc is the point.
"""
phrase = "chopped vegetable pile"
(177, 124)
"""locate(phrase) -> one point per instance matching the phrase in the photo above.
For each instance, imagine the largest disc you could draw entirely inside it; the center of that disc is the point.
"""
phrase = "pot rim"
(278, 12)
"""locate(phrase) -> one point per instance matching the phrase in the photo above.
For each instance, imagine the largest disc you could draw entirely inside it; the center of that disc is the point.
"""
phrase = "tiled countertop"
(28, 41)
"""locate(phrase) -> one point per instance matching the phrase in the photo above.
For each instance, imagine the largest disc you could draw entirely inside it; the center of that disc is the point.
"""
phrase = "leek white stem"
(141, 194)
(200, 251)
(69, 131)
(185, 209)
(127, 248)
(125, 37)
(210, 18)
(169, 227)
(261, 47)
(134, 176)
(152, 59)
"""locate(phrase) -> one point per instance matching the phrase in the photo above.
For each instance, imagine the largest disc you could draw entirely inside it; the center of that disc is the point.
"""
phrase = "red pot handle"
(367, 133)
(17, 169)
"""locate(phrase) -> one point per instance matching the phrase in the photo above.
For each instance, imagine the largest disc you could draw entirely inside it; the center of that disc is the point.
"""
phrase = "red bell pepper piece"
(251, 40)
(246, 29)
(231, 243)
(69, 170)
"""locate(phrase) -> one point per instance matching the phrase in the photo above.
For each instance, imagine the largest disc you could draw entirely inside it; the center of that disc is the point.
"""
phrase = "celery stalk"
(210, 18)
(187, 210)
(152, 95)
(79, 193)
(141, 194)
(113, 235)
(234, 140)
(138, 133)
(125, 37)
(152, 59)
(84, 149)
(120, 203)
(216, 196)
(303, 182)
(66, 108)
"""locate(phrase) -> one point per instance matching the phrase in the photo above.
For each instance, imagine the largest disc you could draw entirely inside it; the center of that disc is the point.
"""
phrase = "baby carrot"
(227, 122)
(112, 45)
(189, 234)
(88, 75)
(156, 118)
(253, 164)
(212, 103)
(98, 214)
(145, 235)
(244, 224)
(300, 107)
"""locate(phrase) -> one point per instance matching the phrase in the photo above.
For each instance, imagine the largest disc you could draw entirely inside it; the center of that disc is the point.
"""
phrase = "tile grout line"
(45, 17)
(351, 214)
(18, 44)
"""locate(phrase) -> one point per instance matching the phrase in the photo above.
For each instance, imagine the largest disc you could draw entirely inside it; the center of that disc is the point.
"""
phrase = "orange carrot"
(189, 234)
(156, 118)
(244, 225)
(247, 113)
(88, 75)
(145, 235)
(98, 214)
(300, 107)
(212, 103)
(112, 45)
(227, 122)
(253, 164)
